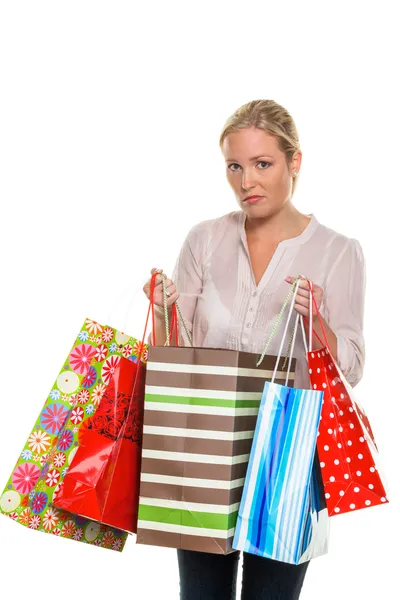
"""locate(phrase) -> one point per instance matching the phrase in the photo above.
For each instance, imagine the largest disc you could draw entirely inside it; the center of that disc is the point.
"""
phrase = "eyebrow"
(253, 158)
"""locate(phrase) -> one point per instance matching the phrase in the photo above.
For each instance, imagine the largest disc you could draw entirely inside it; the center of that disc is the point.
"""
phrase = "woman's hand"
(302, 302)
(172, 294)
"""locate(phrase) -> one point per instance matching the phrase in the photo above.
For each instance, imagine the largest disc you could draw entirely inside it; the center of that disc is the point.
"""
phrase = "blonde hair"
(271, 117)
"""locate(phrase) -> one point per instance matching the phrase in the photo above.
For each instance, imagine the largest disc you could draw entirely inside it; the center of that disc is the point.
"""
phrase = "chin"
(259, 212)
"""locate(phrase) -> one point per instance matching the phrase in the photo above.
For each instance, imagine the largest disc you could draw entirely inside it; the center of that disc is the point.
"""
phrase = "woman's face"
(257, 171)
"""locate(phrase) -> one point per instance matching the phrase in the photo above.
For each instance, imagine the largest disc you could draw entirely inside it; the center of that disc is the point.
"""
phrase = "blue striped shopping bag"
(282, 514)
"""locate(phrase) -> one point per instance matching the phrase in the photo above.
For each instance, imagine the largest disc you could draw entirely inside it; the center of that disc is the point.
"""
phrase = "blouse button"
(251, 309)
(254, 294)
(248, 325)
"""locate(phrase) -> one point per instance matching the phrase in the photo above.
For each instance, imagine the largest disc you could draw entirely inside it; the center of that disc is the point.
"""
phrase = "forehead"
(249, 143)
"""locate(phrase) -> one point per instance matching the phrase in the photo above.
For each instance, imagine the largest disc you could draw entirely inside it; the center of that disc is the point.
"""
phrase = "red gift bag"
(346, 446)
(102, 482)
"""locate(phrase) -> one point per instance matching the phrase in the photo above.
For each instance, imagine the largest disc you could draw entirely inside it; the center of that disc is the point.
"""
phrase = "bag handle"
(312, 331)
(296, 287)
(176, 313)
(277, 321)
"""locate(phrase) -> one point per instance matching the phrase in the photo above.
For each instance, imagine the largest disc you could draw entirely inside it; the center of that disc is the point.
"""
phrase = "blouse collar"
(298, 240)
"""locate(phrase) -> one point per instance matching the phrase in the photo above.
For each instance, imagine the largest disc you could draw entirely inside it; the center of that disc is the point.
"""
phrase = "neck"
(287, 223)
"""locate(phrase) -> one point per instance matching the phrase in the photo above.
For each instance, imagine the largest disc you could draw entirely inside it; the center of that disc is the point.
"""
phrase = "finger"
(302, 310)
(171, 289)
(304, 301)
(159, 280)
(172, 299)
(303, 283)
(156, 271)
(304, 293)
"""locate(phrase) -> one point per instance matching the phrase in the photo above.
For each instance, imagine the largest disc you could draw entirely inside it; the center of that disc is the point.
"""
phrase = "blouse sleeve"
(188, 275)
(344, 309)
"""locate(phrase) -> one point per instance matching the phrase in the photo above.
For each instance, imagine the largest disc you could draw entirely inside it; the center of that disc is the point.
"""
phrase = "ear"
(296, 162)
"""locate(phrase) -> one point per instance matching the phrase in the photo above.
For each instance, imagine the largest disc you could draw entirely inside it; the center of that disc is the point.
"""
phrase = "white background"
(110, 114)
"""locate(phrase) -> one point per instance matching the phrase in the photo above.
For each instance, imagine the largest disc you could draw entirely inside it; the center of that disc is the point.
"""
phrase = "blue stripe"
(271, 413)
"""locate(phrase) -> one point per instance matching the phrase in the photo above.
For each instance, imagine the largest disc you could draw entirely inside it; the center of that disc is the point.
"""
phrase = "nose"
(247, 179)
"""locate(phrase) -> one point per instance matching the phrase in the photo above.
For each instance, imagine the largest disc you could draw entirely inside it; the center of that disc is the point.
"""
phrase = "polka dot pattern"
(345, 442)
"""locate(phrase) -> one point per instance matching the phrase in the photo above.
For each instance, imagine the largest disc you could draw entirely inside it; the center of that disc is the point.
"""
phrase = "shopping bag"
(102, 482)
(347, 449)
(38, 476)
(201, 408)
(282, 514)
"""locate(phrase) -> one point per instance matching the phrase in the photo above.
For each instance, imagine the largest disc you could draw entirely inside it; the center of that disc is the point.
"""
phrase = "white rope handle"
(285, 332)
(303, 330)
(292, 348)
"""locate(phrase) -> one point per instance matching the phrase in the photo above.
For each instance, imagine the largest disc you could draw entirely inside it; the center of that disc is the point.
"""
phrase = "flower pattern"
(107, 335)
(52, 478)
(98, 393)
(9, 501)
(50, 519)
(39, 441)
(38, 477)
(83, 396)
(93, 327)
(83, 336)
(68, 529)
(101, 352)
(65, 440)
(25, 516)
(78, 534)
(80, 358)
(59, 460)
(77, 415)
(53, 418)
(68, 382)
(109, 368)
(25, 477)
(34, 522)
(127, 350)
(39, 502)
(90, 378)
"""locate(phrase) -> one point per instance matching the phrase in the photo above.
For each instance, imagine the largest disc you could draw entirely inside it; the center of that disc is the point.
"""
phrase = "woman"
(232, 276)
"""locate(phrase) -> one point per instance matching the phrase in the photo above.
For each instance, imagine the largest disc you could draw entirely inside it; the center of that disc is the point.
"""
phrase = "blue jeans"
(206, 576)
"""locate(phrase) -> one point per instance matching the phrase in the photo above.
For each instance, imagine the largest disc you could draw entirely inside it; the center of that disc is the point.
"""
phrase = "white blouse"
(223, 307)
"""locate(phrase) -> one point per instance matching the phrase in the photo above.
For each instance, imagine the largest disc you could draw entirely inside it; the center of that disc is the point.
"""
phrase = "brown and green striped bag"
(201, 408)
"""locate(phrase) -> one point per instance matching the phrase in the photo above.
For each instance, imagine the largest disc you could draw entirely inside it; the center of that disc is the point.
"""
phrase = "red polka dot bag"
(346, 446)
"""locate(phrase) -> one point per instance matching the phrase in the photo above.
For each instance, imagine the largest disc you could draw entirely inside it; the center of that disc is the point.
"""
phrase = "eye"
(233, 165)
(263, 162)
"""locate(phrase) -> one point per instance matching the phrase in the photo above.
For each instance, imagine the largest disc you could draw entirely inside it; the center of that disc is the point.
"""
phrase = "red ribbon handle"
(320, 319)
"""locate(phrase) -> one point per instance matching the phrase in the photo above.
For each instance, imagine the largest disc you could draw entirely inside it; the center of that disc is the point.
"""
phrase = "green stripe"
(202, 401)
(175, 516)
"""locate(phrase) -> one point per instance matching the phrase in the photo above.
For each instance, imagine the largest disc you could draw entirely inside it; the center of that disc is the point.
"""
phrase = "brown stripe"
(185, 542)
(190, 494)
(172, 443)
(201, 381)
(247, 360)
(254, 384)
(198, 470)
(193, 356)
(199, 421)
